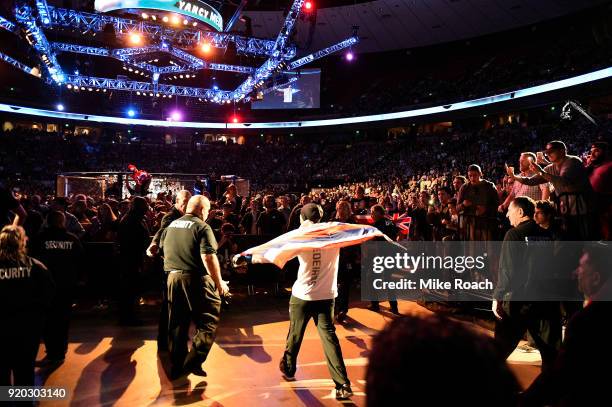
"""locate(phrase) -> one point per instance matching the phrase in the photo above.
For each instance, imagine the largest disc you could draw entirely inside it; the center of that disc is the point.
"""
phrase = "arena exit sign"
(193, 8)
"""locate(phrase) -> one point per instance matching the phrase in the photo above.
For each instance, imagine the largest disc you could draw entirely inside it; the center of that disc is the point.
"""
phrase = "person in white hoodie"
(313, 296)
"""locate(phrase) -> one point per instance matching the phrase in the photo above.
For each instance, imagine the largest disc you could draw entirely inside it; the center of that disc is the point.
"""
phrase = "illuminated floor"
(111, 365)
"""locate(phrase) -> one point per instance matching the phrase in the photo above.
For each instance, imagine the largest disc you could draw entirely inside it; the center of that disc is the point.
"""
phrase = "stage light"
(60, 107)
(195, 23)
(185, 22)
(135, 39)
(205, 47)
(69, 86)
(175, 20)
(235, 119)
(349, 56)
(215, 87)
(308, 5)
(165, 19)
(131, 113)
(154, 17)
(76, 71)
(145, 15)
(175, 115)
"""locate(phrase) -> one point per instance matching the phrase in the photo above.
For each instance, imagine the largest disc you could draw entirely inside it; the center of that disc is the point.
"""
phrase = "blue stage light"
(131, 113)
(60, 107)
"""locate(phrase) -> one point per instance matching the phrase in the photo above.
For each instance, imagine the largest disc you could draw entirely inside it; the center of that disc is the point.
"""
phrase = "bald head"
(182, 197)
(199, 206)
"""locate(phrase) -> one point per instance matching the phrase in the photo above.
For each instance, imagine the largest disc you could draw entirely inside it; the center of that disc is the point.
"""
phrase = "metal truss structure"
(19, 65)
(43, 12)
(192, 63)
(274, 62)
(323, 53)
(38, 40)
(87, 82)
(162, 39)
(7, 25)
(189, 37)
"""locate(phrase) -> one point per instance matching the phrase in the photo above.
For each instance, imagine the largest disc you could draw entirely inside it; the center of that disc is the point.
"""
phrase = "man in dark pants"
(178, 210)
(195, 287)
(26, 290)
(313, 297)
(517, 271)
(388, 228)
(347, 264)
(133, 239)
(61, 252)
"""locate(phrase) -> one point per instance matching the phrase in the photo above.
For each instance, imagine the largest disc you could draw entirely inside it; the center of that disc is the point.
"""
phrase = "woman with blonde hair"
(26, 290)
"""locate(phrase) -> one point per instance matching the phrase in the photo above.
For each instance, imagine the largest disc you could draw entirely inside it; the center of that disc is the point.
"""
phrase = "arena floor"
(111, 365)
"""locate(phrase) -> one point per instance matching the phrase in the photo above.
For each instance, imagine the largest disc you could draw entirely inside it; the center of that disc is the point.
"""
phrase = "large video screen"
(299, 91)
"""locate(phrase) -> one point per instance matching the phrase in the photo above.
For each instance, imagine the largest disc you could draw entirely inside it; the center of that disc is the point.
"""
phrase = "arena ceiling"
(386, 25)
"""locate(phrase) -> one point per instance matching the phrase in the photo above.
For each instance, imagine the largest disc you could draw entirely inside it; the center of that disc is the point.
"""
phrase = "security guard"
(61, 252)
(26, 289)
(178, 210)
(519, 274)
(195, 287)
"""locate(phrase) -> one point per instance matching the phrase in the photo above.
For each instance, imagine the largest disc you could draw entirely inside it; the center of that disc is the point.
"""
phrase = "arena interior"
(185, 185)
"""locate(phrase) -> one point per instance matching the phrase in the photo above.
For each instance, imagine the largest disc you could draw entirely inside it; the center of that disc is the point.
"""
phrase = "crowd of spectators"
(453, 185)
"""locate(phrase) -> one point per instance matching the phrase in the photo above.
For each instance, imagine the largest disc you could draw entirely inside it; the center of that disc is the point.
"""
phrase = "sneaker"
(344, 392)
(195, 369)
(198, 371)
(285, 373)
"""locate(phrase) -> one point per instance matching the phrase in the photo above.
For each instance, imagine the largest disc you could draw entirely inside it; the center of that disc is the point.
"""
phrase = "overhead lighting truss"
(96, 22)
(161, 39)
(19, 65)
(38, 40)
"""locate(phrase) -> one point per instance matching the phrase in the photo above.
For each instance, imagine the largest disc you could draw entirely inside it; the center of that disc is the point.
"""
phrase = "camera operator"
(195, 287)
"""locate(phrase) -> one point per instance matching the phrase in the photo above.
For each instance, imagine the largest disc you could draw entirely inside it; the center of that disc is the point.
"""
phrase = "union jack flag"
(402, 222)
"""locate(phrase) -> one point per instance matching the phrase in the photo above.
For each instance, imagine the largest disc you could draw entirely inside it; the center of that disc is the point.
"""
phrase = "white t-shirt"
(318, 275)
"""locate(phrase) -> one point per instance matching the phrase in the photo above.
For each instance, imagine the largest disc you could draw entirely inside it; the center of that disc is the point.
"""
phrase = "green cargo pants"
(300, 312)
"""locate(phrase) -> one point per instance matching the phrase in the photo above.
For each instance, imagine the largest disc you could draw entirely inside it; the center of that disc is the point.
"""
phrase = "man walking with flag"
(317, 247)
(313, 296)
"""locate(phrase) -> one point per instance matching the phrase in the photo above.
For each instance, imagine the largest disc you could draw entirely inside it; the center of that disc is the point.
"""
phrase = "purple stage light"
(349, 56)
(176, 115)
